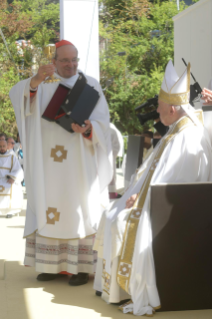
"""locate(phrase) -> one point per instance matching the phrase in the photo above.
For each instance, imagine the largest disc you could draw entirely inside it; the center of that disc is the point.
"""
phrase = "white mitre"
(175, 90)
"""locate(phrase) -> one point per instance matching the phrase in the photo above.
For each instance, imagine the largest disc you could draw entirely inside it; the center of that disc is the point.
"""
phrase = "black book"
(77, 105)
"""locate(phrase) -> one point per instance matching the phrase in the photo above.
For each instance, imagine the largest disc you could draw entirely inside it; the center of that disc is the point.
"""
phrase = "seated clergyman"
(125, 268)
(11, 175)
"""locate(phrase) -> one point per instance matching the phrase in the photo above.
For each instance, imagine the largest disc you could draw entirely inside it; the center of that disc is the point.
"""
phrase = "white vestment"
(66, 175)
(11, 195)
(184, 157)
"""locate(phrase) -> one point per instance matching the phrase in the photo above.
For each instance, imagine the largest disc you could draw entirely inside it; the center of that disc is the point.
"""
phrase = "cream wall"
(193, 41)
(79, 25)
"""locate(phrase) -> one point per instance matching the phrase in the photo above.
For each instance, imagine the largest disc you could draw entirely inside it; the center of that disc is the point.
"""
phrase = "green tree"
(143, 30)
(37, 21)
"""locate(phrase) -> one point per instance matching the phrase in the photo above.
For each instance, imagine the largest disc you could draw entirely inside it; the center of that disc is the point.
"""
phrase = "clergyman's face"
(66, 62)
(164, 111)
(3, 147)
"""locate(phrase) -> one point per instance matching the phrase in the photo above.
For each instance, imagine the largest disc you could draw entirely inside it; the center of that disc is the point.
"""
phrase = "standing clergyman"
(66, 174)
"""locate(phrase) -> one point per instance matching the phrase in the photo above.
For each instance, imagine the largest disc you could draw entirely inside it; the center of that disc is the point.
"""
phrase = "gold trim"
(11, 162)
(57, 238)
(5, 168)
(4, 194)
(128, 244)
(174, 99)
(158, 307)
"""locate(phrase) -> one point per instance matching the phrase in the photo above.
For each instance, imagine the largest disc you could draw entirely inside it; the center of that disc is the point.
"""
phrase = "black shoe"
(98, 293)
(80, 279)
(48, 277)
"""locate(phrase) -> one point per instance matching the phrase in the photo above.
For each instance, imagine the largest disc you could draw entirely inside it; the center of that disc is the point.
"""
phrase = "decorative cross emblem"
(58, 153)
(52, 215)
(154, 164)
(124, 269)
(136, 213)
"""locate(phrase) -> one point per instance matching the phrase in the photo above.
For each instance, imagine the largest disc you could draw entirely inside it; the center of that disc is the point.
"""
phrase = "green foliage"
(144, 30)
(37, 21)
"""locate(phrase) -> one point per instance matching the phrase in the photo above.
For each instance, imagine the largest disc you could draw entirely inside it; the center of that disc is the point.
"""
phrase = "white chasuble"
(124, 238)
(11, 195)
(66, 174)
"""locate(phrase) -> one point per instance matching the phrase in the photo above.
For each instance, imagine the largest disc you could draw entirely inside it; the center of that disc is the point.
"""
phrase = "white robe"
(186, 158)
(11, 195)
(66, 175)
(117, 144)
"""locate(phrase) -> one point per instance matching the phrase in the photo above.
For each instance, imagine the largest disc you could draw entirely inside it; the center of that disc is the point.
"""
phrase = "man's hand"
(78, 129)
(44, 71)
(130, 202)
(207, 96)
(10, 181)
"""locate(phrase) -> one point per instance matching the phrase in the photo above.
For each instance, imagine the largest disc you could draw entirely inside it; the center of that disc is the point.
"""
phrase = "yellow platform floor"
(23, 297)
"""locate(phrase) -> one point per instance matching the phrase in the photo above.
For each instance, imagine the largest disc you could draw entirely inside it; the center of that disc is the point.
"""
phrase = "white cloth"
(117, 144)
(11, 195)
(66, 175)
(186, 158)
(55, 256)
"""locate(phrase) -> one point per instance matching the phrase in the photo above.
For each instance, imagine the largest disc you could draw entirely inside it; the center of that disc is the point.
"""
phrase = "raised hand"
(44, 71)
(206, 95)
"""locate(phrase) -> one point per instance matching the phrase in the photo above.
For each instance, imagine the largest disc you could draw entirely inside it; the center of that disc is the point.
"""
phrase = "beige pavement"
(23, 297)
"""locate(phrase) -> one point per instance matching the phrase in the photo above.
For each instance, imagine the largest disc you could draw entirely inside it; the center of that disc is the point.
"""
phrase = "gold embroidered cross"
(154, 164)
(52, 215)
(124, 269)
(136, 213)
(58, 153)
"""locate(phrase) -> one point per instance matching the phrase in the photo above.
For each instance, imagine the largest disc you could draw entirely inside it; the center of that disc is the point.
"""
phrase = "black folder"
(73, 106)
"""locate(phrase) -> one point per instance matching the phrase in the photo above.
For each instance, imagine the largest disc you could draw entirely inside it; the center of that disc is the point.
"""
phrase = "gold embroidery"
(52, 215)
(199, 115)
(128, 244)
(106, 278)
(11, 163)
(2, 188)
(177, 98)
(174, 99)
(58, 153)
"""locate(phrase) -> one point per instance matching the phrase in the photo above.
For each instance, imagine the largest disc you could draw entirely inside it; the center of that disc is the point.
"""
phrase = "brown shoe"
(80, 279)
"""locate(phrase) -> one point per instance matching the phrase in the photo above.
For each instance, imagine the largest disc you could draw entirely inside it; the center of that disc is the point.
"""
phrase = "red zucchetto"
(62, 42)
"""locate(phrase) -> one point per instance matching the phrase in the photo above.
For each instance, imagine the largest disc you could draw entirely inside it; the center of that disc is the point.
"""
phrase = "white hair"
(179, 109)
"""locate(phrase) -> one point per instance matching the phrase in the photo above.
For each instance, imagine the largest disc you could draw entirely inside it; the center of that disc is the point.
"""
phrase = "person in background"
(3, 137)
(10, 145)
(11, 175)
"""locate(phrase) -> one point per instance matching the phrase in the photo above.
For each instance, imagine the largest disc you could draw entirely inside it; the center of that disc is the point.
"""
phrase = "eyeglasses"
(66, 61)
